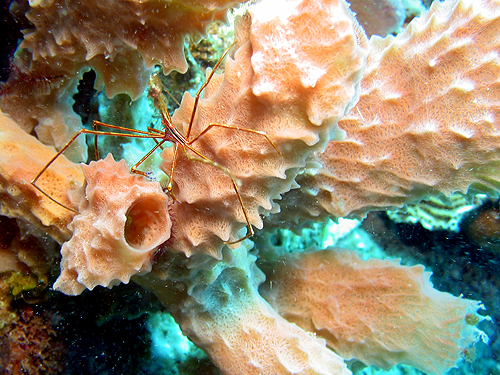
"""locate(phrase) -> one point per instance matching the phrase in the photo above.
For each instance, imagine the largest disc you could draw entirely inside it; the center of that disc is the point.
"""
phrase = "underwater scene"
(262, 187)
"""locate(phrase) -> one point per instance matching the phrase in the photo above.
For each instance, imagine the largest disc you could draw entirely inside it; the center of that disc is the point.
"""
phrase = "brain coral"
(122, 220)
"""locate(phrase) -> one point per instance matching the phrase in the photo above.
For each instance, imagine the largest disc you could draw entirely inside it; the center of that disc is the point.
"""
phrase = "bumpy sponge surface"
(376, 311)
(427, 118)
(122, 220)
(244, 335)
(273, 86)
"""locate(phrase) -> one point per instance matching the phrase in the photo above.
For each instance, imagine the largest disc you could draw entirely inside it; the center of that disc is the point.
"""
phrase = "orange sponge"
(122, 220)
(376, 311)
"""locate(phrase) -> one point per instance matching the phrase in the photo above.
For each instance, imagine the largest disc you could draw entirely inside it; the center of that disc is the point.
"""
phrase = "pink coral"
(122, 220)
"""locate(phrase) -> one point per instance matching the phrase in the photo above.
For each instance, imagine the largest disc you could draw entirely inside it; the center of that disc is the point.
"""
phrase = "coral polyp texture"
(122, 220)
(402, 118)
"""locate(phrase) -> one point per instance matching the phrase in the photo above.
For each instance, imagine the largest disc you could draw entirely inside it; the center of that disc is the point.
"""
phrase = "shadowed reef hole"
(145, 220)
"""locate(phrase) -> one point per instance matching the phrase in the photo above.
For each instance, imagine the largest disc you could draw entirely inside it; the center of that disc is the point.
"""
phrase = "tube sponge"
(376, 311)
(239, 330)
(123, 219)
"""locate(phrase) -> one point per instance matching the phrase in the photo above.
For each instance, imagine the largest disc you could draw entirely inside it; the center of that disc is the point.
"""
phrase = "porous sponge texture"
(244, 335)
(315, 69)
(22, 157)
(376, 311)
(122, 220)
(252, 104)
(427, 118)
(119, 39)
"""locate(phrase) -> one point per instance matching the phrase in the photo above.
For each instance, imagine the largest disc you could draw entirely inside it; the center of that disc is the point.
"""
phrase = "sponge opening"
(144, 223)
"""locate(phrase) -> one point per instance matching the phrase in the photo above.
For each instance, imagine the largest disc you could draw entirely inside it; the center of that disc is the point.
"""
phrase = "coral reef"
(434, 214)
(31, 346)
(254, 145)
(117, 39)
(223, 313)
(459, 267)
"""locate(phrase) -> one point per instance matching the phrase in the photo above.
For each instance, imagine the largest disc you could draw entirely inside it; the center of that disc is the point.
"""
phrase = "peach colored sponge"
(118, 39)
(427, 119)
(296, 98)
(242, 334)
(22, 156)
(122, 220)
(374, 310)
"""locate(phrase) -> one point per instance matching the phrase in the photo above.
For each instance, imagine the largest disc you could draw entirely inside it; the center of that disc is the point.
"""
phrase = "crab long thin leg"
(203, 159)
(253, 131)
(198, 93)
(136, 165)
(170, 186)
(141, 134)
(186, 143)
(97, 132)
